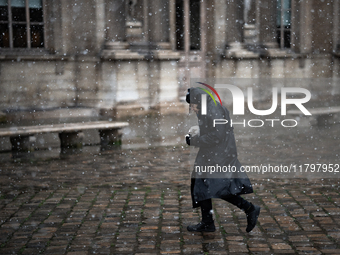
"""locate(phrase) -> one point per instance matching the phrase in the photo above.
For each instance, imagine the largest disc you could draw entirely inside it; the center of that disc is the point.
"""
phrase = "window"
(283, 23)
(21, 24)
(194, 23)
(179, 25)
(195, 28)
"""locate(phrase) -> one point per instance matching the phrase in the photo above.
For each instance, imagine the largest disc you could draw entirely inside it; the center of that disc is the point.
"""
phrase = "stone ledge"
(52, 114)
(121, 55)
(278, 53)
(238, 52)
(64, 127)
(35, 58)
(131, 55)
(171, 107)
(122, 111)
(166, 55)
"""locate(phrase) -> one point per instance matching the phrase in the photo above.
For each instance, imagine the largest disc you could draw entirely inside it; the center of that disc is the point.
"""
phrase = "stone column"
(220, 19)
(159, 23)
(115, 16)
(235, 21)
(172, 20)
(100, 24)
(53, 27)
(251, 22)
(304, 33)
(135, 16)
(267, 23)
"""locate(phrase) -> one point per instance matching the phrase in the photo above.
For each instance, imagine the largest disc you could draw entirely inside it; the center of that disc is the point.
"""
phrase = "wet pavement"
(136, 200)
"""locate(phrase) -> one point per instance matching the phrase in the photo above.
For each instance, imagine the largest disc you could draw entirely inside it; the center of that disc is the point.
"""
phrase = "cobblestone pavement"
(137, 201)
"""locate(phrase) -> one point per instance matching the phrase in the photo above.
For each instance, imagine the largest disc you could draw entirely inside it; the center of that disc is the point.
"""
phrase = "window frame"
(181, 44)
(28, 23)
(282, 29)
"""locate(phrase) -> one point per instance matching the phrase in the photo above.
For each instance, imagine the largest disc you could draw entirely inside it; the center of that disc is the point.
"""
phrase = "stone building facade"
(117, 56)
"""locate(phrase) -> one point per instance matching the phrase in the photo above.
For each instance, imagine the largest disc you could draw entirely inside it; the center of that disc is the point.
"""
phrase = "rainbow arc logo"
(204, 97)
(209, 93)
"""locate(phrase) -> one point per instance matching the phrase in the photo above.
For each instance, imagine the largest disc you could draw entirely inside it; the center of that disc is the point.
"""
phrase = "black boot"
(207, 223)
(202, 227)
(252, 214)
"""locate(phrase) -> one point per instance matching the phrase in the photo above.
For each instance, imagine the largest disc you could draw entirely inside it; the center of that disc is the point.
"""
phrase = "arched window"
(21, 24)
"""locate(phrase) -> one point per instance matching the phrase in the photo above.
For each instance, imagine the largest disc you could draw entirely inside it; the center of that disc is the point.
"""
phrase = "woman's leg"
(252, 211)
(206, 210)
(240, 202)
(207, 223)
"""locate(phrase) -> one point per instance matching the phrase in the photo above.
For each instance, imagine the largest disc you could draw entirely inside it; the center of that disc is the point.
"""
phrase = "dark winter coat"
(217, 146)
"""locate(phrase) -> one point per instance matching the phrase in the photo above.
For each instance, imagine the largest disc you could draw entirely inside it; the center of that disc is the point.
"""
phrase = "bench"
(69, 134)
(323, 115)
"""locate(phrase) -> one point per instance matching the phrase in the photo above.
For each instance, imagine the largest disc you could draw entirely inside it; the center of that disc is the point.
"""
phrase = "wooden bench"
(69, 134)
(323, 115)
